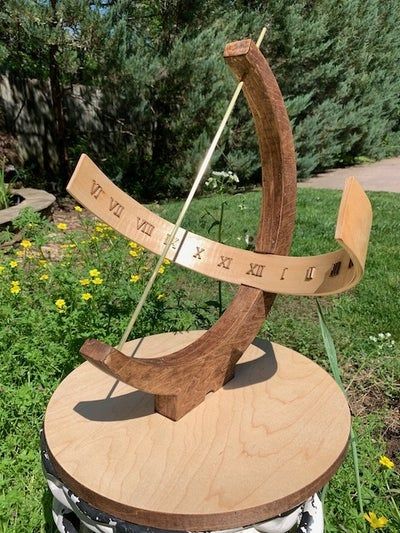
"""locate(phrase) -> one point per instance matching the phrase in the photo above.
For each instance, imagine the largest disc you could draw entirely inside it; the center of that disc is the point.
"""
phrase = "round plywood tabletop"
(259, 446)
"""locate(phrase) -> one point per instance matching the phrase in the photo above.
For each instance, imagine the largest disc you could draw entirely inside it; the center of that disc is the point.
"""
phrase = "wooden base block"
(259, 446)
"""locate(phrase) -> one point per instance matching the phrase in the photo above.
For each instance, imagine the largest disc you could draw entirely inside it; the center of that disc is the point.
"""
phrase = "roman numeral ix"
(174, 242)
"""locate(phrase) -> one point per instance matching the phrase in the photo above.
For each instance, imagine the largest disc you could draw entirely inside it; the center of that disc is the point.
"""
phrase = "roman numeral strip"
(314, 276)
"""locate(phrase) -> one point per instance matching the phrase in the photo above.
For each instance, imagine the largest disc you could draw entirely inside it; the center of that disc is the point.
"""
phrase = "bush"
(163, 87)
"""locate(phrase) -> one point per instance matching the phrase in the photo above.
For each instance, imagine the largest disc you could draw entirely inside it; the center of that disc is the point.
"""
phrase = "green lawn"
(38, 345)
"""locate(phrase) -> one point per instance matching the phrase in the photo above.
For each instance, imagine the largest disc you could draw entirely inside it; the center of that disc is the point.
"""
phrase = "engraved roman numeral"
(310, 273)
(144, 226)
(225, 262)
(255, 270)
(96, 189)
(335, 269)
(174, 243)
(197, 255)
(115, 207)
(283, 273)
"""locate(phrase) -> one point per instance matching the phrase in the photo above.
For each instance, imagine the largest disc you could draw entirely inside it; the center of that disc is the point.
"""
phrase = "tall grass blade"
(333, 362)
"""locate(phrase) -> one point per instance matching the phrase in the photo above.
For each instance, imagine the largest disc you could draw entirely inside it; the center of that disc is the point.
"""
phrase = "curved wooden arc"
(318, 275)
(209, 362)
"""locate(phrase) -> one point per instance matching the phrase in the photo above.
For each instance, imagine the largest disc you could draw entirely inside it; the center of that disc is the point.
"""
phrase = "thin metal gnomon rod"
(195, 186)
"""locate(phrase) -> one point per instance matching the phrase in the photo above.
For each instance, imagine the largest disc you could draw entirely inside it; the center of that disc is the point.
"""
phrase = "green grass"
(38, 345)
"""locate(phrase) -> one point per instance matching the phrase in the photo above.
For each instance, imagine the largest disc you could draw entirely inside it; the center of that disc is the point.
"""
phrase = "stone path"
(380, 176)
(37, 199)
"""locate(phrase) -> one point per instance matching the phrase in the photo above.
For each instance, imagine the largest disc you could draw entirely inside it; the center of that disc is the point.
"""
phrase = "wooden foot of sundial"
(218, 429)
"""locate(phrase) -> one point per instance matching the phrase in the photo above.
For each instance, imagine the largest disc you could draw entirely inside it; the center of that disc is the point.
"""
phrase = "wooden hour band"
(318, 275)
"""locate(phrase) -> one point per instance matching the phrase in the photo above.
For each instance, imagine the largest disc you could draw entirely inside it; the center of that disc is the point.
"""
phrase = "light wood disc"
(259, 446)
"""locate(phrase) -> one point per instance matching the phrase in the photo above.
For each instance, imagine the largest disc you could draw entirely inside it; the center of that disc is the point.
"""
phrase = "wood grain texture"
(257, 447)
(232, 334)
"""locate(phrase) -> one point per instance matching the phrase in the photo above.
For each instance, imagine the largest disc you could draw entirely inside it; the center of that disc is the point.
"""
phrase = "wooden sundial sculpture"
(134, 431)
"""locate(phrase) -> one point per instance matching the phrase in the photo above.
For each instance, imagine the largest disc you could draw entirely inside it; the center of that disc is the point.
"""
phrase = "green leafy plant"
(5, 188)
(334, 366)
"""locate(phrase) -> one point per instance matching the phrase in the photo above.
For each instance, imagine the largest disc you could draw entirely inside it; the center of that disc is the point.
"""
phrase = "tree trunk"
(57, 97)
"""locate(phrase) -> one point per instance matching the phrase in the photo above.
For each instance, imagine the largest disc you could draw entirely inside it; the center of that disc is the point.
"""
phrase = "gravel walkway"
(380, 176)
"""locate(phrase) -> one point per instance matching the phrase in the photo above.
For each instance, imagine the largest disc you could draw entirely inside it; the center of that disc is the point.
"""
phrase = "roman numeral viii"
(144, 226)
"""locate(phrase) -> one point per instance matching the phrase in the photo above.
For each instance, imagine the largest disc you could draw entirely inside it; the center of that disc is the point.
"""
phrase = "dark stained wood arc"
(181, 380)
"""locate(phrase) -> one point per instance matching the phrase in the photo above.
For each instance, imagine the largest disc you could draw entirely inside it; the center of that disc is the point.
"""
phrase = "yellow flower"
(15, 289)
(167, 261)
(133, 253)
(161, 270)
(135, 278)
(160, 296)
(375, 522)
(132, 244)
(86, 296)
(44, 277)
(78, 209)
(94, 273)
(13, 264)
(97, 281)
(60, 303)
(386, 462)
(15, 283)
(99, 228)
(43, 262)
(62, 226)
(25, 243)
(84, 281)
